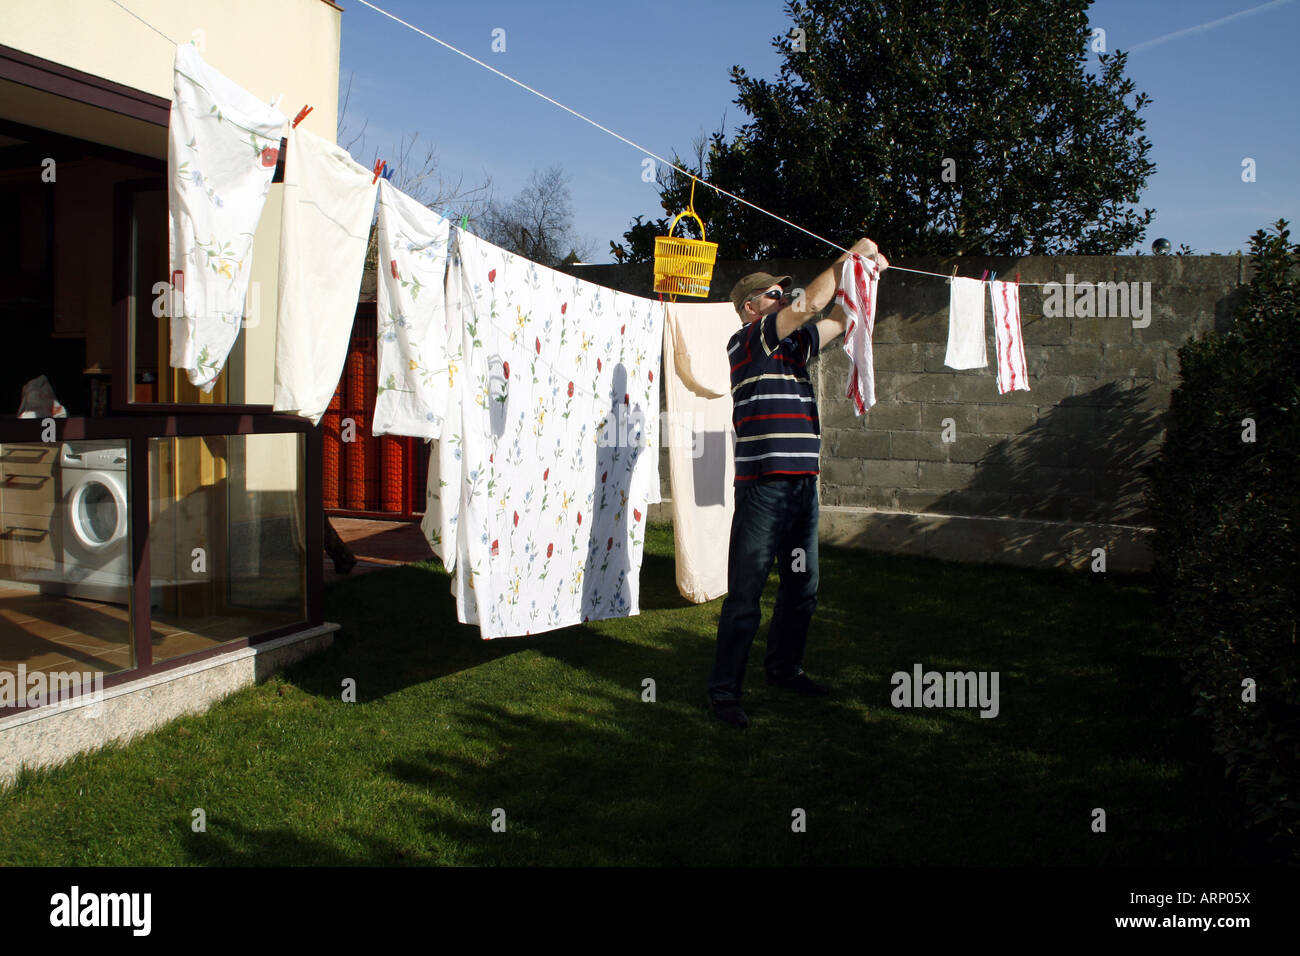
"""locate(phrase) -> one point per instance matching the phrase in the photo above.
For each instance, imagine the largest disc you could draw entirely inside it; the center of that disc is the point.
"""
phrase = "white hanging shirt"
(416, 358)
(329, 200)
(223, 144)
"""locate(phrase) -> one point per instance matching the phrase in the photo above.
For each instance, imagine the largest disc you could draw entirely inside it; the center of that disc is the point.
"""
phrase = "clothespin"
(985, 275)
(464, 221)
(379, 168)
(388, 174)
(302, 114)
(992, 276)
(1017, 280)
(953, 276)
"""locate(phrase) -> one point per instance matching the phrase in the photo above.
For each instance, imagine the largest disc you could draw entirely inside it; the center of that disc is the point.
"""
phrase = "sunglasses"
(774, 295)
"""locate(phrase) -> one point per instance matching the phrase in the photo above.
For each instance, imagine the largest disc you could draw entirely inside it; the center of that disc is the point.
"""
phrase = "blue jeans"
(773, 520)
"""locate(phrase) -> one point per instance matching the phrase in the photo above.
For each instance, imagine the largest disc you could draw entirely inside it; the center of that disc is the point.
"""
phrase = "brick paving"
(378, 544)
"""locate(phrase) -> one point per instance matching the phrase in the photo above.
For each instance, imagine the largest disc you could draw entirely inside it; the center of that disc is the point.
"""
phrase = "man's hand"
(835, 324)
(866, 248)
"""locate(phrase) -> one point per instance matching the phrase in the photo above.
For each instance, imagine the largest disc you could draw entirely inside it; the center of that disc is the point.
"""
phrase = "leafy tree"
(538, 222)
(857, 134)
(1225, 496)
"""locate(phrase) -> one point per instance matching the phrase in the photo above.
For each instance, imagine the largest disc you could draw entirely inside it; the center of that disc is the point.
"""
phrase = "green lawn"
(552, 729)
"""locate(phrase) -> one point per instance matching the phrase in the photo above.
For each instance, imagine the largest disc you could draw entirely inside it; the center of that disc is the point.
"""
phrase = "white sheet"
(549, 455)
(416, 359)
(222, 147)
(329, 200)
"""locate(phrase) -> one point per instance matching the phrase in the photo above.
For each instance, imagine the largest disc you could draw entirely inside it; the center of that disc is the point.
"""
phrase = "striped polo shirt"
(778, 432)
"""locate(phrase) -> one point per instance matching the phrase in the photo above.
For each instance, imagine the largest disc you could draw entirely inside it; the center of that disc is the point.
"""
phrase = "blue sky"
(1222, 75)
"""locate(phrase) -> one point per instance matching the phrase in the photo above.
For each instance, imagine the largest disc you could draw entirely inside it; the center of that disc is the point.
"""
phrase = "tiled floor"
(49, 632)
(59, 633)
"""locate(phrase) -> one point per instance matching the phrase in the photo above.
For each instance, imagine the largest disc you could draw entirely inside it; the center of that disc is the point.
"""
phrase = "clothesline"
(604, 129)
(145, 22)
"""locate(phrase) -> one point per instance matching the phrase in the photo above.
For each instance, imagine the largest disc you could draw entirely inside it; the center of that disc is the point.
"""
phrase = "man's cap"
(756, 282)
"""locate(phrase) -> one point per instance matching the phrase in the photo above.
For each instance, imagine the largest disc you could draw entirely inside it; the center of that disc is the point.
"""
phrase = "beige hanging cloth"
(701, 442)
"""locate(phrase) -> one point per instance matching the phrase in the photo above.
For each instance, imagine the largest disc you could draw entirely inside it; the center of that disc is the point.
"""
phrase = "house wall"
(288, 47)
(1033, 478)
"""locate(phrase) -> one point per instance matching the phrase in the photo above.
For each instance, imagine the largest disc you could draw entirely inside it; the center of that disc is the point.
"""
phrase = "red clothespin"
(1017, 280)
(379, 168)
(985, 275)
(302, 114)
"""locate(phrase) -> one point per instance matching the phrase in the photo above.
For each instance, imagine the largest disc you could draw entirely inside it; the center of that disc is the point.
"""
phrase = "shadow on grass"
(659, 582)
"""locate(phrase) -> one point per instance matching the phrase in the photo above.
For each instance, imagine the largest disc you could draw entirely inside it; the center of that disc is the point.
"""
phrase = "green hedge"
(1227, 515)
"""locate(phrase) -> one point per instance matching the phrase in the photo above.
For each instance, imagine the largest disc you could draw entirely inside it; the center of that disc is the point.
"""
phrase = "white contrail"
(1206, 26)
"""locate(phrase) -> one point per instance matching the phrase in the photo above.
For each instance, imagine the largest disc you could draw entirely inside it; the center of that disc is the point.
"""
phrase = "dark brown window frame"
(123, 247)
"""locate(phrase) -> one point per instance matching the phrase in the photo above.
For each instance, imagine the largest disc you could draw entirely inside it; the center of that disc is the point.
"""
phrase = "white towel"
(416, 361)
(701, 442)
(857, 295)
(222, 147)
(966, 325)
(1005, 298)
(328, 203)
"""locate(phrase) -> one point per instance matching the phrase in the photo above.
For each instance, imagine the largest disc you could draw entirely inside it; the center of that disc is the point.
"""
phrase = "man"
(778, 445)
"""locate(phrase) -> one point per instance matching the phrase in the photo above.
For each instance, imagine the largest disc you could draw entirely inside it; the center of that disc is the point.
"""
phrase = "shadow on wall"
(1080, 461)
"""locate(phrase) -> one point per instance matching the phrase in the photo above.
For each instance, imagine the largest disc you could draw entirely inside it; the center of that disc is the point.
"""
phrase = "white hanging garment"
(329, 200)
(701, 442)
(857, 295)
(1005, 298)
(549, 454)
(966, 325)
(222, 147)
(416, 361)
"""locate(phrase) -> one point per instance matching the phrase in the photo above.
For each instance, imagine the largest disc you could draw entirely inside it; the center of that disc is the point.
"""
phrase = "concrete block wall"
(1032, 478)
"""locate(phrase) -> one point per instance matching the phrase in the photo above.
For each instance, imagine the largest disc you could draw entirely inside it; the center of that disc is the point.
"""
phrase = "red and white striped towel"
(857, 295)
(1005, 298)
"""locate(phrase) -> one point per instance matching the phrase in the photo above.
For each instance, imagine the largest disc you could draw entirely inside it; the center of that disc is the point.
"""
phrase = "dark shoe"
(729, 712)
(802, 684)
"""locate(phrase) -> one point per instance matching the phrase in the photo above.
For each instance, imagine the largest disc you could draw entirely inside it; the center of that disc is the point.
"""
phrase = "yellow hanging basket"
(684, 266)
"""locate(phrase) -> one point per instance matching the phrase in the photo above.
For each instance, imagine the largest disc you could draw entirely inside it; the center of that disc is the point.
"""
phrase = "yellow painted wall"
(268, 47)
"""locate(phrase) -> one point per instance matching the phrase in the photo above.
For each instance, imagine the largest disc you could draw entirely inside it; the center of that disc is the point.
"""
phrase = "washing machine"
(96, 524)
